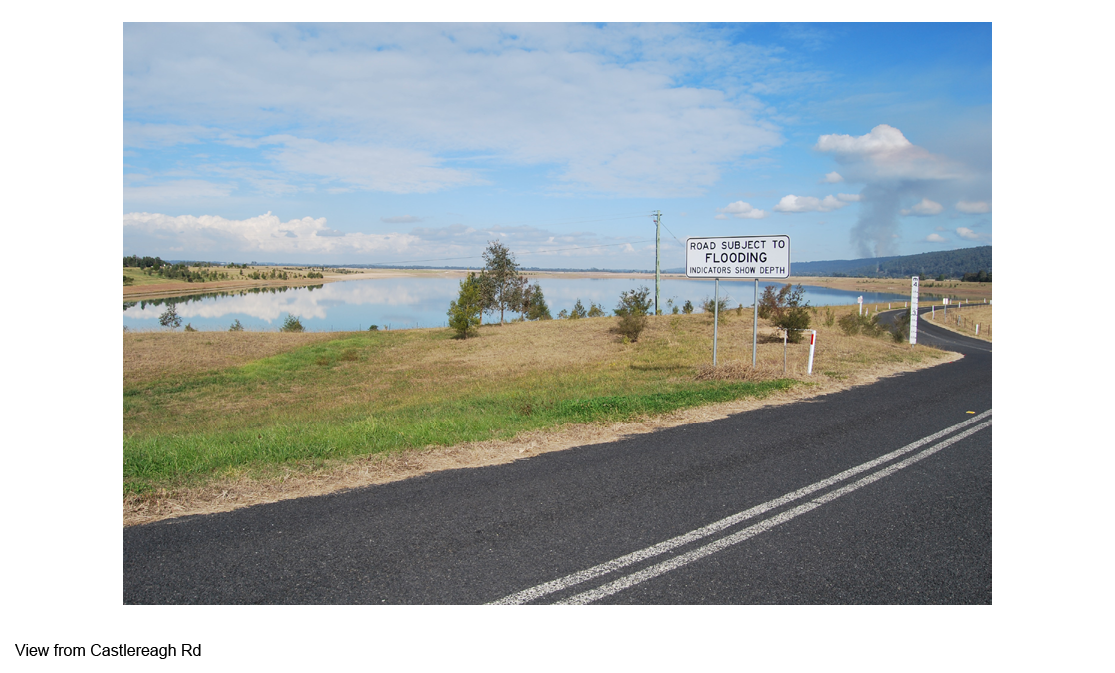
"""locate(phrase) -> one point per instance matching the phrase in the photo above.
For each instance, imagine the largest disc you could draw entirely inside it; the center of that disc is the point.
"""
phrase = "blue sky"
(418, 143)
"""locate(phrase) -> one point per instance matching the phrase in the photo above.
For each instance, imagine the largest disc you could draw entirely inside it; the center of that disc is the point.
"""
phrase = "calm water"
(402, 303)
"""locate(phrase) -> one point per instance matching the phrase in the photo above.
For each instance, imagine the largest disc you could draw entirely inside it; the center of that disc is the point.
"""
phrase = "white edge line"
(536, 592)
(751, 531)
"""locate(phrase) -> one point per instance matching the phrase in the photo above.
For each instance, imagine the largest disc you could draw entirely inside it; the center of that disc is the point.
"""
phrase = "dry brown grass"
(298, 481)
(415, 366)
(969, 316)
(154, 355)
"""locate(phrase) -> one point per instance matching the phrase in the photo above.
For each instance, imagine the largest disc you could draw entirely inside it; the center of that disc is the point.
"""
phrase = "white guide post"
(859, 301)
(812, 344)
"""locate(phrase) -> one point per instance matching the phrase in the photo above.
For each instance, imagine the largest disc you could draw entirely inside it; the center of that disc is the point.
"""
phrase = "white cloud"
(608, 113)
(832, 178)
(936, 238)
(973, 206)
(381, 169)
(262, 234)
(175, 190)
(850, 198)
(808, 204)
(742, 210)
(966, 233)
(885, 153)
(924, 208)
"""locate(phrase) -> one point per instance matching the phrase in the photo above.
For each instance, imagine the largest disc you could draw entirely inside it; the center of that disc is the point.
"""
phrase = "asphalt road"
(880, 494)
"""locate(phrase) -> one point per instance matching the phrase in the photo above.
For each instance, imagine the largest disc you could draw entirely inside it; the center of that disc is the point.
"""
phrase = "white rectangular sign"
(737, 257)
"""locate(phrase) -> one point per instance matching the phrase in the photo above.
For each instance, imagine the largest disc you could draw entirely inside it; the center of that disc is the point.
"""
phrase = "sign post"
(812, 343)
(738, 257)
(859, 300)
(913, 310)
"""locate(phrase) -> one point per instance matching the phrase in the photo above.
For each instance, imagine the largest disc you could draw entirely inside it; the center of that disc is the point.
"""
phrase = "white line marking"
(536, 592)
(751, 531)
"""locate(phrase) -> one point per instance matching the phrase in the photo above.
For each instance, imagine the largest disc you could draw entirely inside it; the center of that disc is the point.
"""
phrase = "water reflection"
(395, 303)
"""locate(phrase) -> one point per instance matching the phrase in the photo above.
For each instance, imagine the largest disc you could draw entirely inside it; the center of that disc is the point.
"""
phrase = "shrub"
(578, 310)
(292, 324)
(632, 311)
(464, 312)
(854, 323)
(830, 317)
(900, 331)
(687, 308)
(563, 314)
(190, 328)
(595, 311)
(534, 304)
(373, 328)
(236, 326)
(790, 312)
(708, 307)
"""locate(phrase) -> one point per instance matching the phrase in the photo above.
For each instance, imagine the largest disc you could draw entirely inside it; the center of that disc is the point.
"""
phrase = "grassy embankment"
(208, 406)
(965, 320)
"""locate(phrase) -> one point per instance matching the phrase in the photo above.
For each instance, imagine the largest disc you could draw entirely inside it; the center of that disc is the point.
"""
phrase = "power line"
(477, 256)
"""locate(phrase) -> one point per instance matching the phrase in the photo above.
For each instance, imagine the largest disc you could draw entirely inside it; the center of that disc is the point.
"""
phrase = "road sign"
(737, 257)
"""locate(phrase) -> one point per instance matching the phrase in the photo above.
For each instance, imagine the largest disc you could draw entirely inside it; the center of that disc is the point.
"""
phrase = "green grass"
(391, 391)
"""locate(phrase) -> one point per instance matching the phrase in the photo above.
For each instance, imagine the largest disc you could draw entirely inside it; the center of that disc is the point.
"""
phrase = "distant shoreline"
(890, 285)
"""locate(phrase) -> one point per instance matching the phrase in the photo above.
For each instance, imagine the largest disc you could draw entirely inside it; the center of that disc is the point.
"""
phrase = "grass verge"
(252, 407)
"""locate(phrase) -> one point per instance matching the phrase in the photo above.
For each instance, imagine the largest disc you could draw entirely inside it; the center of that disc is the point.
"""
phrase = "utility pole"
(657, 257)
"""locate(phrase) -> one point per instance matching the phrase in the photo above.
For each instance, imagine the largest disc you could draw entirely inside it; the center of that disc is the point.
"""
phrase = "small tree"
(292, 324)
(464, 312)
(792, 313)
(170, 318)
(578, 310)
(595, 311)
(687, 307)
(189, 328)
(534, 304)
(502, 287)
(236, 326)
(632, 311)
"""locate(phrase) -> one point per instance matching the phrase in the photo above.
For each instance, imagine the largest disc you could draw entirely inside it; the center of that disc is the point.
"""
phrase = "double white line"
(615, 586)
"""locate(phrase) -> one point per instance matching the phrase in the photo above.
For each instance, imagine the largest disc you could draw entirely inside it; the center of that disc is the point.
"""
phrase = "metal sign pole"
(715, 319)
(755, 325)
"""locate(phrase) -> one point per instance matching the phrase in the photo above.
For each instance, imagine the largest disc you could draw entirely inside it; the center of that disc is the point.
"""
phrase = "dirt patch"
(227, 495)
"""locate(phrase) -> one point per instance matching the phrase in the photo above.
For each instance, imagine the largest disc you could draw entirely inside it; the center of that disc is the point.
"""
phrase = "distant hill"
(951, 263)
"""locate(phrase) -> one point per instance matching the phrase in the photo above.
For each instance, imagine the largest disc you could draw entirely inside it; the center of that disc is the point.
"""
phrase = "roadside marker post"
(785, 333)
(812, 344)
(913, 310)
(859, 301)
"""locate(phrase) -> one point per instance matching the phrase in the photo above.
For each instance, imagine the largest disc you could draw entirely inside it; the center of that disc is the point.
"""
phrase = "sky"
(420, 143)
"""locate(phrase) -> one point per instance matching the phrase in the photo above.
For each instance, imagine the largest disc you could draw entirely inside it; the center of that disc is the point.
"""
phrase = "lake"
(403, 303)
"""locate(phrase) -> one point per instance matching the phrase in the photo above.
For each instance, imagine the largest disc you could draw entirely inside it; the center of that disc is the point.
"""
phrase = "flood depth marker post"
(737, 257)
(913, 310)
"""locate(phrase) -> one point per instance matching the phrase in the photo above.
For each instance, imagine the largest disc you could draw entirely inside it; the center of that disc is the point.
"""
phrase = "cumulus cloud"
(850, 198)
(262, 234)
(808, 204)
(973, 206)
(885, 153)
(832, 178)
(741, 210)
(936, 238)
(968, 234)
(924, 208)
